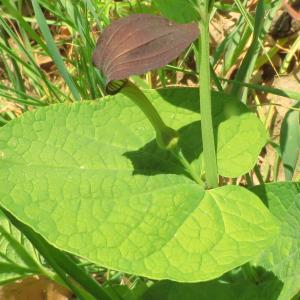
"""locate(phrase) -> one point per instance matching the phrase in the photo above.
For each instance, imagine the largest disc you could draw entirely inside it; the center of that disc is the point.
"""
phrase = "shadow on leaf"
(151, 160)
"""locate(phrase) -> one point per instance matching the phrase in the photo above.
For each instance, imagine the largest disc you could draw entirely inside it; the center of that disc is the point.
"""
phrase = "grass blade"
(246, 69)
(53, 51)
(27, 259)
(287, 60)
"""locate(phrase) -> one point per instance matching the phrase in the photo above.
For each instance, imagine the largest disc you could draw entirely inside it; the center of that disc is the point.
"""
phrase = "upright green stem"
(209, 151)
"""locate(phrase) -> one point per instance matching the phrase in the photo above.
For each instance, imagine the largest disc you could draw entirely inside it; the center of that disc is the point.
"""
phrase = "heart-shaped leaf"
(66, 172)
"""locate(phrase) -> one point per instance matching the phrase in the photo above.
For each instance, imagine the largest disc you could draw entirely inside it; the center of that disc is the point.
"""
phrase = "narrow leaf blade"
(53, 51)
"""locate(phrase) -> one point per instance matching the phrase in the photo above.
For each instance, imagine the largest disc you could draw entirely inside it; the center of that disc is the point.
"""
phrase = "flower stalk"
(166, 137)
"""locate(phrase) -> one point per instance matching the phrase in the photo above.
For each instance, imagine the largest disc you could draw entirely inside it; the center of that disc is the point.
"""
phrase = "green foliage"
(53, 50)
(113, 212)
(238, 145)
(283, 257)
(123, 292)
(17, 256)
(63, 265)
(290, 142)
(182, 11)
(235, 288)
(80, 80)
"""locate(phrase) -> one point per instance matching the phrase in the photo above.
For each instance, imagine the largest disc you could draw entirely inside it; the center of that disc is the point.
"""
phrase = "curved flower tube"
(135, 45)
(140, 43)
(166, 137)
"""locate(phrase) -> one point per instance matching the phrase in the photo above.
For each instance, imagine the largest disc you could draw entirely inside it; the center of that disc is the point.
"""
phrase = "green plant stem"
(259, 108)
(269, 118)
(216, 79)
(187, 166)
(140, 99)
(166, 137)
(209, 151)
(289, 56)
(276, 166)
(249, 180)
(258, 175)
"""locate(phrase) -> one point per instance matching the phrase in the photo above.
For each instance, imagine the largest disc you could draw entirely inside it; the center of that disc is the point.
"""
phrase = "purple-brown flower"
(140, 43)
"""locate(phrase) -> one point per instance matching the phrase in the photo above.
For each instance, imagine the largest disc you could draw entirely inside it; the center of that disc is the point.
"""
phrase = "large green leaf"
(75, 175)
(283, 258)
(182, 11)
